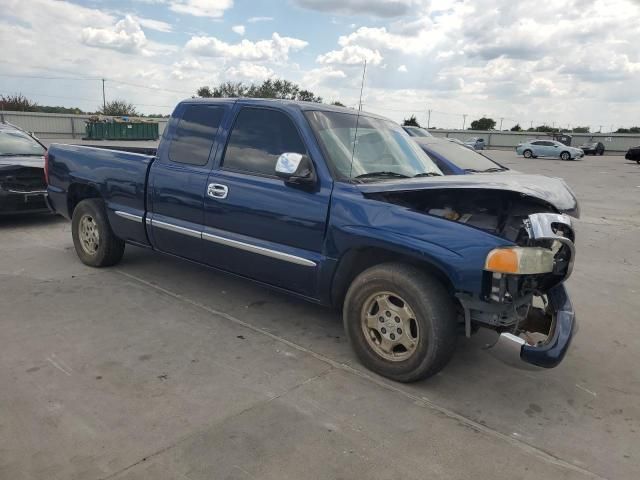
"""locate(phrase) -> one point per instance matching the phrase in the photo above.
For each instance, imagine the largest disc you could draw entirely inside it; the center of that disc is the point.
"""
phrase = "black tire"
(565, 156)
(527, 154)
(108, 248)
(435, 315)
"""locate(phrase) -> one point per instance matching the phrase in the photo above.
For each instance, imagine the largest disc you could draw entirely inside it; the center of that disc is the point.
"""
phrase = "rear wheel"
(400, 321)
(565, 156)
(93, 239)
(527, 154)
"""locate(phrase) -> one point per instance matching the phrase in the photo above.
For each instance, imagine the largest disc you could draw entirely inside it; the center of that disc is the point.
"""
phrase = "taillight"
(46, 167)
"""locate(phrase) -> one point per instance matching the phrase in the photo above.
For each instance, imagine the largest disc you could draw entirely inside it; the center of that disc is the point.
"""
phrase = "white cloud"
(249, 71)
(378, 8)
(154, 24)
(351, 55)
(321, 75)
(201, 8)
(125, 36)
(275, 49)
(239, 29)
(402, 68)
(259, 19)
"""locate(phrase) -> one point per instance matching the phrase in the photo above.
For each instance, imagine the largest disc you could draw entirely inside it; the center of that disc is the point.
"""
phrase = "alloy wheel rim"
(389, 326)
(89, 234)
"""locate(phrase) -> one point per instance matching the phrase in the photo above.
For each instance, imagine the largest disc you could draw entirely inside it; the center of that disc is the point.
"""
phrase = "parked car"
(548, 148)
(417, 131)
(476, 143)
(22, 183)
(457, 141)
(454, 159)
(592, 148)
(633, 154)
(282, 193)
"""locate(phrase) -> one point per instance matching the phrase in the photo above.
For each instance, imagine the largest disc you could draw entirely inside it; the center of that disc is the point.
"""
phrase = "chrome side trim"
(175, 228)
(129, 216)
(259, 250)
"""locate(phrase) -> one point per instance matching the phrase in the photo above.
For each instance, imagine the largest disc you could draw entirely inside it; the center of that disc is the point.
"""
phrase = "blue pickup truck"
(343, 209)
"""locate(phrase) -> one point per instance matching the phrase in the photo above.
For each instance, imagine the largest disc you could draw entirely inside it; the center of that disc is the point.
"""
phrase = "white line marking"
(58, 366)
(586, 390)
(525, 447)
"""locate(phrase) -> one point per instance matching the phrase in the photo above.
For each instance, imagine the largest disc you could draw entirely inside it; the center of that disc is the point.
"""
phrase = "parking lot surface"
(161, 369)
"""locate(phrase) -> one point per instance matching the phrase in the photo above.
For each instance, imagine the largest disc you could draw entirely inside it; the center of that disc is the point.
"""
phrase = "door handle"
(216, 190)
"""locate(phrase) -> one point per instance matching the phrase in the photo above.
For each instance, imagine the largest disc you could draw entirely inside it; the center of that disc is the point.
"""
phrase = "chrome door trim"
(259, 250)
(176, 228)
(128, 216)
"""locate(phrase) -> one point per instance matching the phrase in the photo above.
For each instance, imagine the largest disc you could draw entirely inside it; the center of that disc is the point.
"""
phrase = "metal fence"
(613, 142)
(57, 125)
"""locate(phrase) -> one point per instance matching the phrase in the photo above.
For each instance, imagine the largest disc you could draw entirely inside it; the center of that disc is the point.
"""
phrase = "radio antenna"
(355, 134)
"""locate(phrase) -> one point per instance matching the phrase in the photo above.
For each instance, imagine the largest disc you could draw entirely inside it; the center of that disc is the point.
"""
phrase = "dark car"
(455, 159)
(417, 132)
(592, 148)
(633, 154)
(22, 180)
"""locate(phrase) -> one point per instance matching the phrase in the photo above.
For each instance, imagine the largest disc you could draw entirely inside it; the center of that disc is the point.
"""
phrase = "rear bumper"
(13, 202)
(515, 350)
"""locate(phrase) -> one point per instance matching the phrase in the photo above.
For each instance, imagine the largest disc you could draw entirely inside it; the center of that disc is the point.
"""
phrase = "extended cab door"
(256, 225)
(178, 178)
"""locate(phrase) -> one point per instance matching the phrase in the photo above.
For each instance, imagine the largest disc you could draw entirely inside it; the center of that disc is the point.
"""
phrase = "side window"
(258, 138)
(195, 134)
(537, 143)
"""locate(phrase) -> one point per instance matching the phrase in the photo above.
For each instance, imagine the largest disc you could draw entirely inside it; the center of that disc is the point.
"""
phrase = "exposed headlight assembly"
(520, 260)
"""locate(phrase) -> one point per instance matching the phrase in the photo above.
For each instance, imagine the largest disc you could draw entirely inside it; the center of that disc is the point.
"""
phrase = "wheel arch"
(357, 260)
(78, 192)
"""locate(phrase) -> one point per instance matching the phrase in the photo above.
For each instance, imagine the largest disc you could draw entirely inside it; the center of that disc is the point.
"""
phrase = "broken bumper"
(515, 350)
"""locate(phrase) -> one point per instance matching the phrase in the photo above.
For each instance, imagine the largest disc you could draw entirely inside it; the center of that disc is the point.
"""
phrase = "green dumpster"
(122, 131)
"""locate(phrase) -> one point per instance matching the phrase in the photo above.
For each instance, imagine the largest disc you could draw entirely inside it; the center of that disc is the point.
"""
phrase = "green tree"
(516, 128)
(412, 121)
(483, 123)
(628, 130)
(581, 130)
(543, 128)
(119, 108)
(338, 104)
(17, 103)
(270, 88)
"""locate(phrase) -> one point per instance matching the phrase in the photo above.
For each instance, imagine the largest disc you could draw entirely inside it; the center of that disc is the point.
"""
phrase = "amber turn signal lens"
(503, 260)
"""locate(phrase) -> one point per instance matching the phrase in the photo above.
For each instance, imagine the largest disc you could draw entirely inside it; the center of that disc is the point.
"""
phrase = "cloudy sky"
(545, 61)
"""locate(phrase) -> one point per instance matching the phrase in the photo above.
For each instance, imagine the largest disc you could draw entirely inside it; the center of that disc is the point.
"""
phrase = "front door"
(256, 225)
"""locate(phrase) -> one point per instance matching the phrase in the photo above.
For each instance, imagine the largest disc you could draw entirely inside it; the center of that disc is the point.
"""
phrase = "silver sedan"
(548, 148)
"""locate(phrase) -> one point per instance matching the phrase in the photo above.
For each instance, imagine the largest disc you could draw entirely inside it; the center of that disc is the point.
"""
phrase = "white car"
(548, 148)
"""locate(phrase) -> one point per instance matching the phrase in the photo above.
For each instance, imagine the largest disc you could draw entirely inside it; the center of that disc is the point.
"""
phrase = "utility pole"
(501, 119)
(464, 120)
(532, 124)
(428, 118)
(600, 131)
(104, 100)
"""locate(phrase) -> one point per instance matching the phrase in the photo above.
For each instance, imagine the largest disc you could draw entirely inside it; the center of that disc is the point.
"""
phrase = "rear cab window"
(195, 133)
(259, 136)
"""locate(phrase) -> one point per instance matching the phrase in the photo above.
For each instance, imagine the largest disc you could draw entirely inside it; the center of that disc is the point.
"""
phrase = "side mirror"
(295, 168)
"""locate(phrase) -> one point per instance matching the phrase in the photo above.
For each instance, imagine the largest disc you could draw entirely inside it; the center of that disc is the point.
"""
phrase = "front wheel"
(527, 154)
(93, 239)
(565, 156)
(400, 321)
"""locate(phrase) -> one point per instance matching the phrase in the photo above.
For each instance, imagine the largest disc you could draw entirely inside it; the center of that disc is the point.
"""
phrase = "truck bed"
(118, 177)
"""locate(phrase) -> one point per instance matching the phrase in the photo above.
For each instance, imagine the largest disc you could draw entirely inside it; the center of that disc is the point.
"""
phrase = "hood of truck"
(551, 190)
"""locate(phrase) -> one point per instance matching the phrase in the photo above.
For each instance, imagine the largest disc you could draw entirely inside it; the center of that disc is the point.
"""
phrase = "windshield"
(417, 132)
(382, 149)
(14, 142)
(462, 157)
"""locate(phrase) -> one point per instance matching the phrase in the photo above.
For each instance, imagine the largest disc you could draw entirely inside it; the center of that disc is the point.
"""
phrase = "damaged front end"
(525, 304)
(522, 308)
(22, 189)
